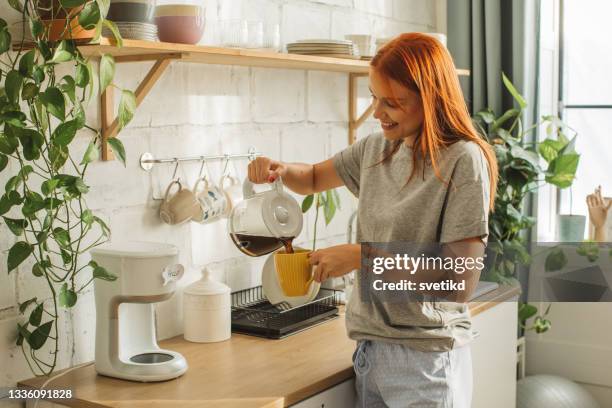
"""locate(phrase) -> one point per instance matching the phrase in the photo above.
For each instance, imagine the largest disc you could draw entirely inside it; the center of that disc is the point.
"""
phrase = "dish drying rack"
(253, 314)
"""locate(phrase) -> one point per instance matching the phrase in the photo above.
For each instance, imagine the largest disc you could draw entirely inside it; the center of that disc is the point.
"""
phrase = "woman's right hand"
(265, 170)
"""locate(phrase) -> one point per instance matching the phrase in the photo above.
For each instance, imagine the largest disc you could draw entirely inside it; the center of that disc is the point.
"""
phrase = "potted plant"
(329, 200)
(43, 203)
(521, 172)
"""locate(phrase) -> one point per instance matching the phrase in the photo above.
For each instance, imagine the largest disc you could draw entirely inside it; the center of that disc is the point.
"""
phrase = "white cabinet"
(494, 357)
(339, 396)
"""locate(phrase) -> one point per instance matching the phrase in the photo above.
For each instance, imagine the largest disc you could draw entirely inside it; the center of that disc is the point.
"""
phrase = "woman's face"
(398, 109)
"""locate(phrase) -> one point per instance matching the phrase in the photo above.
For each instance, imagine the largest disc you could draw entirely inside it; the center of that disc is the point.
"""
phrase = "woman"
(428, 178)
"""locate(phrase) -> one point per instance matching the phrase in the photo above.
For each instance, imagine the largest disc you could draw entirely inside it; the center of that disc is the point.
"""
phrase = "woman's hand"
(266, 170)
(335, 261)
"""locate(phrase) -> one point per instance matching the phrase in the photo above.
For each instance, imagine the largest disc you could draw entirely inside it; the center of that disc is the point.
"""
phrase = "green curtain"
(489, 37)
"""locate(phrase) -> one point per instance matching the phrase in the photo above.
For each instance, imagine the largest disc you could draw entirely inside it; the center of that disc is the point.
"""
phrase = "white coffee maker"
(126, 345)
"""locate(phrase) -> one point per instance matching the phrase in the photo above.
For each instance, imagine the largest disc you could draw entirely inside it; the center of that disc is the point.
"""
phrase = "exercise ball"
(550, 391)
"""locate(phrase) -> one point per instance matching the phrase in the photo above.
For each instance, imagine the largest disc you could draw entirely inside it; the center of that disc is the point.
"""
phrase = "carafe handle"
(248, 188)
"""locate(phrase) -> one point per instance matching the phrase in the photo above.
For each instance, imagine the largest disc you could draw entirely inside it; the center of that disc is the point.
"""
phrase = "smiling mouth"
(388, 125)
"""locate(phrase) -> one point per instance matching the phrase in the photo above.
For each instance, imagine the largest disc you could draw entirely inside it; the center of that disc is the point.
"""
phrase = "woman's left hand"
(335, 261)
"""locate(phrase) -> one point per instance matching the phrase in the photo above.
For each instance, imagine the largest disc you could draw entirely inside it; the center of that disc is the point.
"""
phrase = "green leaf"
(29, 91)
(62, 237)
(16, 225)
(26, 63)
(509, 114)
(24, 306)
(53, 99)
(32, 141)
(107, 71)
(90, 15)
(16, 4)
(127, 107)
(48, 186)
(64, 133)
(67, 297)
(329, 210)
(17, 254)
(69, 87)
(14, 118)
(87, 217)
(515, 94)
(103, 226)
(22, 333)
(66, 257)
(101, 273)
(36, 28)
(562, 170)
(58, 156)
(555, 260)
(523, 154)
(38, 74)
(113, 28)
(61, 54)
(32, 204)
(117, 148)
(3, 161)
(486, 115)
(5, 40)
(307, 203)
(8, 143)
(12, 85)
(36, 315)
(38, 270)
(91, 154)
(337, 198)
(82, 76)
(526, 311)
(39, 337)
(549, 149)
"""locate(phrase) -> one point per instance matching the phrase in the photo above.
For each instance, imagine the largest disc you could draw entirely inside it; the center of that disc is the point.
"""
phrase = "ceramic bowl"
(180, 23)
(131, 12)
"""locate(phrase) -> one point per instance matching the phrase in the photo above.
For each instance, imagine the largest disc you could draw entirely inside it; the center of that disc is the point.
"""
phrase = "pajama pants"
(396, 376)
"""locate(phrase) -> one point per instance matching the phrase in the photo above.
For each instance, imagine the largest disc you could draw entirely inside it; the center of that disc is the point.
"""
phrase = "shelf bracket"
(354, 121)
(110, 123)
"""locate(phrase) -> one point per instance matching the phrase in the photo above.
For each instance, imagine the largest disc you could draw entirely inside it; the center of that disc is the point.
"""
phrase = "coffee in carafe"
(255, 245)
(264, 222)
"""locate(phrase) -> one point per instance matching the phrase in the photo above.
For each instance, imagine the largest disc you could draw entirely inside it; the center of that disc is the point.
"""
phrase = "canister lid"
(207, 286)
(135, 249)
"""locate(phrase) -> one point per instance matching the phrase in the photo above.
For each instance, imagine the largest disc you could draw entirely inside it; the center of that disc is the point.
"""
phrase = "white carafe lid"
(207, 286)
(281, 213)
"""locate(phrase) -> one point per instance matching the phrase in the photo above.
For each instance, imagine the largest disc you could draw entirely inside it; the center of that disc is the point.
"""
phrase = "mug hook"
(176, 161)
(204, 164)
(225, 169)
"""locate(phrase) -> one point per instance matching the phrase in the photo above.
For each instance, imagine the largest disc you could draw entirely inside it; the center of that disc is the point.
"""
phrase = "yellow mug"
(294, 272)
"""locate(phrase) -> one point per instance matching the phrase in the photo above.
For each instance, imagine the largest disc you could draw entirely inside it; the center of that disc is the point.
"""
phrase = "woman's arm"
(301, 178)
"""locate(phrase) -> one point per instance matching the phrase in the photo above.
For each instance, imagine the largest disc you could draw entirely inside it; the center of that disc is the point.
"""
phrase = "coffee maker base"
(149, 366)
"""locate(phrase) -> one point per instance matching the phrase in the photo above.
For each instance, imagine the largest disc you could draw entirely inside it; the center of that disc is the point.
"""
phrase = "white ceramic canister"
(207, 310)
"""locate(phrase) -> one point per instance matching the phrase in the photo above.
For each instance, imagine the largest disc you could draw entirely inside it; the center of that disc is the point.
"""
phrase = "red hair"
(422, 64)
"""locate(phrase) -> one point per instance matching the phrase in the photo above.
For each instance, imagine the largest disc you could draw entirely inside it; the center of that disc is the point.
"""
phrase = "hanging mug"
(180, 206)
(232, 189)
(212, 200)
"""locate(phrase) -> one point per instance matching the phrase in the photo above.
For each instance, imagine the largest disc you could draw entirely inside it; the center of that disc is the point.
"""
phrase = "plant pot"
(570, 228)
(57, 31)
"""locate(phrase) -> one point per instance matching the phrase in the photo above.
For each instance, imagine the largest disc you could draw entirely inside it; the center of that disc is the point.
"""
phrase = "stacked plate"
(134, 31)
(324, 48)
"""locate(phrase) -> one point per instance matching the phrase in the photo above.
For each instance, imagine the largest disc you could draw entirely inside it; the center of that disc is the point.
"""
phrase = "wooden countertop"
(243, 372)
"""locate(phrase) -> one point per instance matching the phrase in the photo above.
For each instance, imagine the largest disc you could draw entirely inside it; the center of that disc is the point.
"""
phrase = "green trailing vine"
(44, 200)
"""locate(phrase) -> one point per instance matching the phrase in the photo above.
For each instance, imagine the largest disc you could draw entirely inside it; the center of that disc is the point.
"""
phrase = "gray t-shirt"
(424, 210)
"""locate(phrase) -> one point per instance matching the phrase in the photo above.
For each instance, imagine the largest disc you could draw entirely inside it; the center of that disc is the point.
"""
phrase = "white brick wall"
(292, 115)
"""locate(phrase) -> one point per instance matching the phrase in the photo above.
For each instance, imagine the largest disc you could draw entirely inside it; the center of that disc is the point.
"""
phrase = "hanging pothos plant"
(329, 200)
(44, 200)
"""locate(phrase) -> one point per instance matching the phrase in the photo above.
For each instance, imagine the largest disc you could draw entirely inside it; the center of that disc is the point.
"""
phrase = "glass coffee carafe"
(266, 221)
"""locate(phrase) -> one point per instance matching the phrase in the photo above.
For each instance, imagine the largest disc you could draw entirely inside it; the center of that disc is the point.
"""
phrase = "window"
(585, 94)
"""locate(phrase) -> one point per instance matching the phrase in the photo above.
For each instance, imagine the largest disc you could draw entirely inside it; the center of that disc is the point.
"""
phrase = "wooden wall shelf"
(164, 53)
